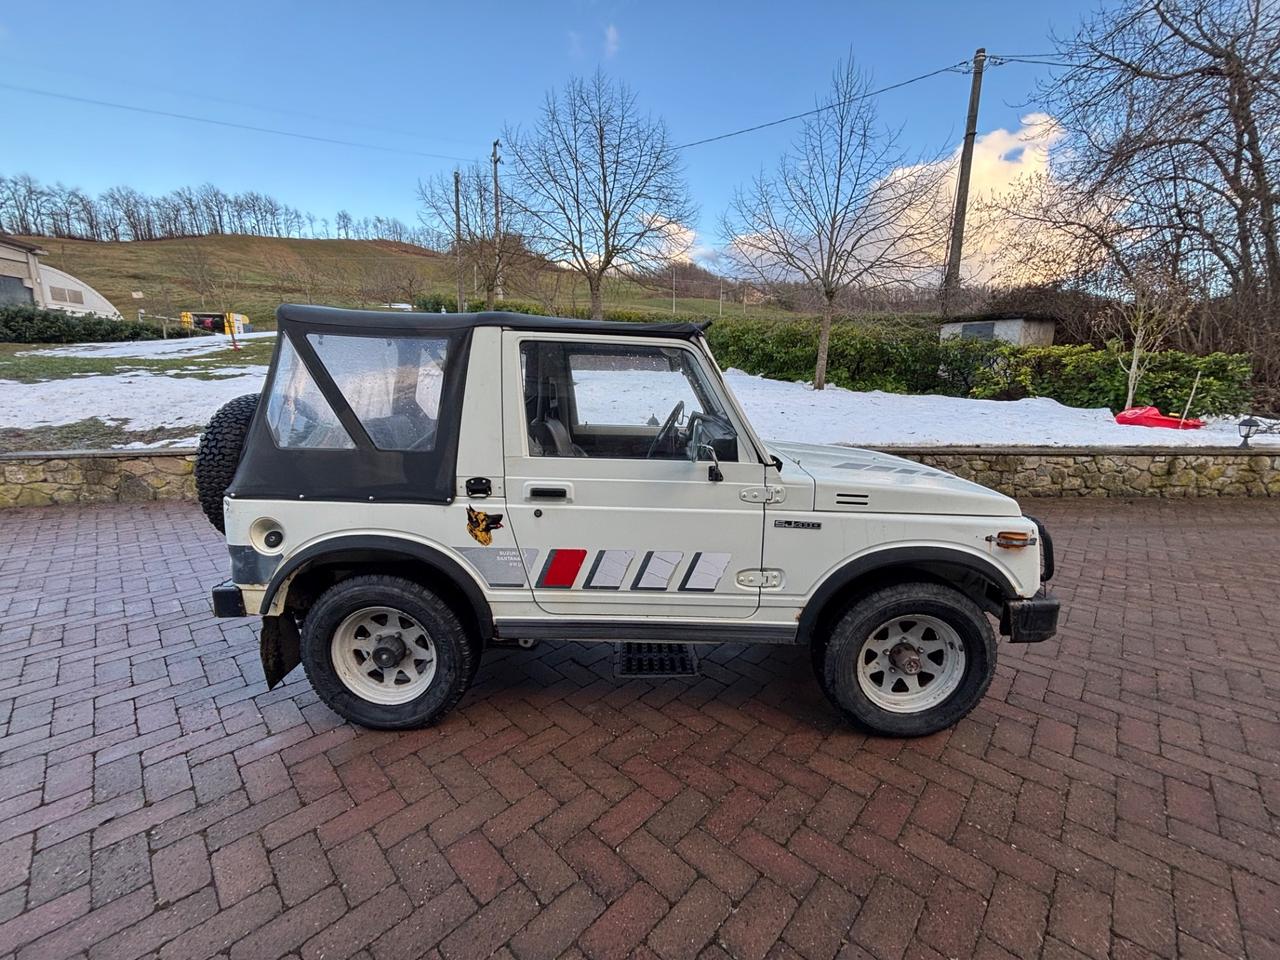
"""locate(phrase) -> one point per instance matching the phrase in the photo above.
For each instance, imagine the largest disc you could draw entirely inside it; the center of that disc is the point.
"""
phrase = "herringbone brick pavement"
(1117, 793)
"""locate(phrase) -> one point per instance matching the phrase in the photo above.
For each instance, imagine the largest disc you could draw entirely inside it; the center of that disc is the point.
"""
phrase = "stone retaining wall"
(1134, 472)
(96, 476)
(37, 479)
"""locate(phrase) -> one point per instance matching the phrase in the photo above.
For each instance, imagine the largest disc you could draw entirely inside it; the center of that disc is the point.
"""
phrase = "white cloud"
(611, 40)
(1001, 158)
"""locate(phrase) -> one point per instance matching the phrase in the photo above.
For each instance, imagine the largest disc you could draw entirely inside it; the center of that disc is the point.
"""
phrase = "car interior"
(653, 391)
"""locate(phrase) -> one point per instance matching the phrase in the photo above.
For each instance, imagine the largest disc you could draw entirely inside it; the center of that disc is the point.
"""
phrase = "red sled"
(1151, 417)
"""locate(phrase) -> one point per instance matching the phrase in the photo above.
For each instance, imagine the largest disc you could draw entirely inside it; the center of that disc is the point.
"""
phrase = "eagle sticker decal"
(480, 525)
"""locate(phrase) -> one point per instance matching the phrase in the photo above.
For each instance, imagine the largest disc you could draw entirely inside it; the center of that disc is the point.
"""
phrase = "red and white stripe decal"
(656, 570)
(561, 569)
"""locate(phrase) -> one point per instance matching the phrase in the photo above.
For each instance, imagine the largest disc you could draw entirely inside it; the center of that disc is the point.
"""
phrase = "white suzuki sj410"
(412, 487)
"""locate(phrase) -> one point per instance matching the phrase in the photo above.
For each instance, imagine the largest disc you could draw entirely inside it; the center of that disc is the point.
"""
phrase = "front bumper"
(228, 601)
(1030, 620)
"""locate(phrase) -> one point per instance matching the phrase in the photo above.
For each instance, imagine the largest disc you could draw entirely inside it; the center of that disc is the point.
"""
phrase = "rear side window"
(297, 413)
(392, 384)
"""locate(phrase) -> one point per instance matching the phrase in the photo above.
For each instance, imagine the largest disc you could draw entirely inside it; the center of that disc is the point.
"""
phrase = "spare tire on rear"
(219, 454)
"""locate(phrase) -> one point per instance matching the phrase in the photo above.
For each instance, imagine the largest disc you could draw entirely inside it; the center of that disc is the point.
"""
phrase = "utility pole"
(951, 281)
(673, 289)
(457, 238)
(497, 221)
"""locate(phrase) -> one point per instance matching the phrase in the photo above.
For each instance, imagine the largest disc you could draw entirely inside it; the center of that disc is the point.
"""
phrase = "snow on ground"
(794, 411)
(184, 347)
(136, 401)
(779, 410)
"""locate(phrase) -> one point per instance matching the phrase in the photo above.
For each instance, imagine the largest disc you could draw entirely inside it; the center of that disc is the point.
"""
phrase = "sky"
(430, 84)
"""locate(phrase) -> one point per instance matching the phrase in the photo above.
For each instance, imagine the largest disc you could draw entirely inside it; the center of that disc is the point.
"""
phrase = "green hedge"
(1083, 376)
(20, 323)
(892, 358)
(899, 359)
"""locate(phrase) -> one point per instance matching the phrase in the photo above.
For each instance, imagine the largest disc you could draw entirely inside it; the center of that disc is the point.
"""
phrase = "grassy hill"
(253, 275)
(250, 275)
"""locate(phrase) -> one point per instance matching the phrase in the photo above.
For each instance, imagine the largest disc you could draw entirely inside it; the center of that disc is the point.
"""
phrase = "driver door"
(611, 516)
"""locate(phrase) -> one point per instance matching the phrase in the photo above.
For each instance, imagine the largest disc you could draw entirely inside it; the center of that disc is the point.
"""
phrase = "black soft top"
(406, 322)
(363, 471)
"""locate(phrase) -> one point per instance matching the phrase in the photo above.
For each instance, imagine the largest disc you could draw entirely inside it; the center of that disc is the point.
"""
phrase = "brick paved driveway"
(1118, 792)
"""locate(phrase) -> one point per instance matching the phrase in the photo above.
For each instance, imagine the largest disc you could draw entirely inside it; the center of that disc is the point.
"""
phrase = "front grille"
(654, 660)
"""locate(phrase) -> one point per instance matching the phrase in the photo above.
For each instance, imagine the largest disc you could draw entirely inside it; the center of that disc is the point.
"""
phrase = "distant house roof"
(11, 241)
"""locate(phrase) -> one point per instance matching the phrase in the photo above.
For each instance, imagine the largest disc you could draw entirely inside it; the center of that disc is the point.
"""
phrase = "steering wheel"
(665, 429)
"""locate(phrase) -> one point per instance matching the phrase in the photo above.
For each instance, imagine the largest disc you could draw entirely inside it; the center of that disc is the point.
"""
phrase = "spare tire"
(219, 454)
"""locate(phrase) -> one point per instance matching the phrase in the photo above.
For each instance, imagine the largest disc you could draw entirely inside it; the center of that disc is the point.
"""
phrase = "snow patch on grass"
(135, 401)
(185, 347)
(784, 410)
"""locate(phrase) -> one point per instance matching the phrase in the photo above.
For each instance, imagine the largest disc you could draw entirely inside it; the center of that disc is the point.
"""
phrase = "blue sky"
(442, 78)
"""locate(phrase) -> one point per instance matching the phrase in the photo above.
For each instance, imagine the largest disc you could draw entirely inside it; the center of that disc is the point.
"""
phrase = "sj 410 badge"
(480, 525)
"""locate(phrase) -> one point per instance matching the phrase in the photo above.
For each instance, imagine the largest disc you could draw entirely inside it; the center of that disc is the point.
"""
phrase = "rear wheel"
(909, 660)
(385, 652)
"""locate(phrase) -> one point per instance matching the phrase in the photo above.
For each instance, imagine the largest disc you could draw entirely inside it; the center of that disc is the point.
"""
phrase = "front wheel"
(386, 653)
(908, 660)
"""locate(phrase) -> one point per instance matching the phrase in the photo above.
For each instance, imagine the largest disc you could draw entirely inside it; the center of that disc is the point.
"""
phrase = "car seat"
(551, 438)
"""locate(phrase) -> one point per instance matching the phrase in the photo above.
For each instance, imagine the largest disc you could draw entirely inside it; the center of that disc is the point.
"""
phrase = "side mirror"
(711, 439)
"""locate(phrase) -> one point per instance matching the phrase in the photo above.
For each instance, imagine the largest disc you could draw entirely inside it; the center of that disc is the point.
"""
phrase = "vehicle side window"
(297, 413)
(392, 384)
(612, 400)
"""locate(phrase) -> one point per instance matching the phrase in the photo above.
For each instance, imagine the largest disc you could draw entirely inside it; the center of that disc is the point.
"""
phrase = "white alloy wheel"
(383, 655)
(910, 664)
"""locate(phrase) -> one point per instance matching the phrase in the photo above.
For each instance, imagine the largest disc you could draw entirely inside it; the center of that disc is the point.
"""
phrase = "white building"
(24, 279)
(1024, 331)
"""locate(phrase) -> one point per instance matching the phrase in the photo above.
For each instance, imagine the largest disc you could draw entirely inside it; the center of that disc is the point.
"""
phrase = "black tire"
(219, 454)
(838, 672)
(455, 651)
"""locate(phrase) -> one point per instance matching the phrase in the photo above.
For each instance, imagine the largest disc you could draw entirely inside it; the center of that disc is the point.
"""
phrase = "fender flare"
(870, 563)
(372, 547)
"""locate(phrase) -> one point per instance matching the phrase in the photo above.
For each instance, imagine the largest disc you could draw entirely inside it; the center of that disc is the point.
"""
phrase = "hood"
(850, 480)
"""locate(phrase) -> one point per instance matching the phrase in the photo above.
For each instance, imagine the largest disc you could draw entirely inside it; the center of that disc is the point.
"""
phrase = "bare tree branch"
(599, 184)
(846, 208)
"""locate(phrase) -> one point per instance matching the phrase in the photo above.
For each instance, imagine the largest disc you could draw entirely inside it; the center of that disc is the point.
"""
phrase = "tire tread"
(444, 625)
(218, 455)
(850, 631)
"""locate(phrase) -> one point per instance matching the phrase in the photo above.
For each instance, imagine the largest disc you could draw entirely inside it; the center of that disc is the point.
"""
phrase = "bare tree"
(599, 183)
(845, 208)
(487, 255)
(1169, 112)
(197, 269)
(1151, 306)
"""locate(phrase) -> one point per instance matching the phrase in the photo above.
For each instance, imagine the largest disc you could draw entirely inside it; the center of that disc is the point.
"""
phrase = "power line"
(1018, 56)
(279, 111)
(1000, 61)
(228, 123)
(952, 68)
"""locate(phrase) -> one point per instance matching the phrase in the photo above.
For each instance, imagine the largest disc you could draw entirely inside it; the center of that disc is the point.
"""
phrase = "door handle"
(547, 493)
(548, 490)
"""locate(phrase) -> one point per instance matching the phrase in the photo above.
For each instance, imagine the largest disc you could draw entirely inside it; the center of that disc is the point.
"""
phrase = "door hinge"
(768, 494)
(760, 578)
